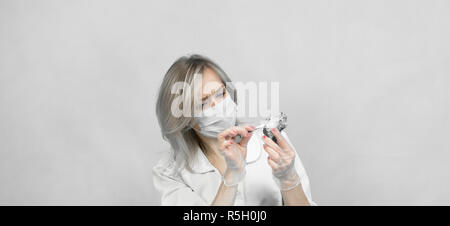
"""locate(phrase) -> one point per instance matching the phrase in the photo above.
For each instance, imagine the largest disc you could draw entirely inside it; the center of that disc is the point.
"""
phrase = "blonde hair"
(178, 131)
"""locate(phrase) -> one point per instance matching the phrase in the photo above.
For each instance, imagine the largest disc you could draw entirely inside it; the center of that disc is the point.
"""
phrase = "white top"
(200, 187)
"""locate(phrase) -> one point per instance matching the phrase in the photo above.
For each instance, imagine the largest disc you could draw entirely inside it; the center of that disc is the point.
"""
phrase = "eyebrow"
(213, 91)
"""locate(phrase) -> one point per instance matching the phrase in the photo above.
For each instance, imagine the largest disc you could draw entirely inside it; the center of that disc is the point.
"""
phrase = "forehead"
(210, 81)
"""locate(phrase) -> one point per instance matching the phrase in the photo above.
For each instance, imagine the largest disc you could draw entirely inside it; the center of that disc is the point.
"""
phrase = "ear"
(193, 124)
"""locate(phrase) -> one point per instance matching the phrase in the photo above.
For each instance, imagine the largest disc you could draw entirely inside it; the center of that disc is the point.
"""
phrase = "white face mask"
(218, 118)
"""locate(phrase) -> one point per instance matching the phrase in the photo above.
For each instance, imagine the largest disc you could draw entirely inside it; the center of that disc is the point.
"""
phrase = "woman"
(206, 165)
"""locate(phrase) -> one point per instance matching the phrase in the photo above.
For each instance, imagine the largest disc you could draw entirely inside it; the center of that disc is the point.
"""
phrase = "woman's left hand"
(281, 160)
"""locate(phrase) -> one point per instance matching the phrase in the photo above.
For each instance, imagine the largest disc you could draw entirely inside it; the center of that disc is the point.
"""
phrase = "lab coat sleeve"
(172, 189)
(304, 180)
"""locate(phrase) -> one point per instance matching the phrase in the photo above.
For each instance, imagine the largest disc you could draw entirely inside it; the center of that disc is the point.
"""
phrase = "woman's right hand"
(234, 153)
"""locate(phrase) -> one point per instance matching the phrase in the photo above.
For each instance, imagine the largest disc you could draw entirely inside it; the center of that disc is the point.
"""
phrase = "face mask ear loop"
(259, 147)
(191, 126)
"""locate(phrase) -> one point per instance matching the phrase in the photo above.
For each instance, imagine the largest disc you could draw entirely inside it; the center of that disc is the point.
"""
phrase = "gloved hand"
(281, 159)
(234, 153)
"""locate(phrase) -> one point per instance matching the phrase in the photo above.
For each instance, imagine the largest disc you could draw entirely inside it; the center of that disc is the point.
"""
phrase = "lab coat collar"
(201, 163)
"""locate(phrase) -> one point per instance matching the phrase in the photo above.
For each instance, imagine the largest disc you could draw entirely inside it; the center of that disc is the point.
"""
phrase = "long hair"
(177, 130)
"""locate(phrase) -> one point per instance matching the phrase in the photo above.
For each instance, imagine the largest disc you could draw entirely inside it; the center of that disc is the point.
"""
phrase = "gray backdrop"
(364, 83)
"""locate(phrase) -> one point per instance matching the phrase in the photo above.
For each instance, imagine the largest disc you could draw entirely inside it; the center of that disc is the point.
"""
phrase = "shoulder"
(284, 134)
(166, 165)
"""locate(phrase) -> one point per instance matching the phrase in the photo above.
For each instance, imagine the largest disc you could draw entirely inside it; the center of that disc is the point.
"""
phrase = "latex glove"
(281, 160)
(234, 153)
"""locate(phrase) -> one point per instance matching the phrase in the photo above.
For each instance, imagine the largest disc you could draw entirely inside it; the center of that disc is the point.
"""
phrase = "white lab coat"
(200, 187)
